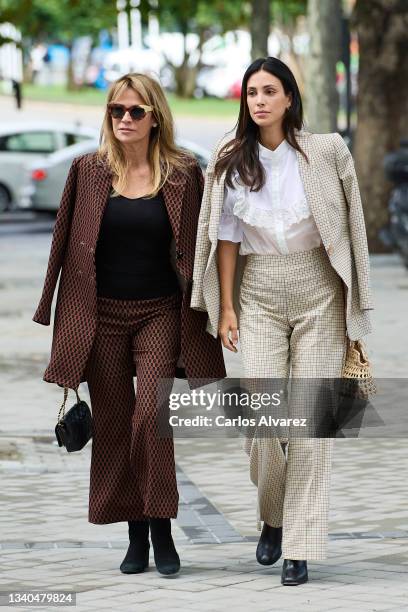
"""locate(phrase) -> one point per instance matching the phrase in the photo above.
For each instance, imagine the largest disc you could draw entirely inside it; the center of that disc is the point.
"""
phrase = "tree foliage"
(63, 20)
(59, 20)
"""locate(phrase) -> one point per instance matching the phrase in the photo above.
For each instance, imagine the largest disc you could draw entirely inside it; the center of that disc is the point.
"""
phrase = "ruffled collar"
(276, 155)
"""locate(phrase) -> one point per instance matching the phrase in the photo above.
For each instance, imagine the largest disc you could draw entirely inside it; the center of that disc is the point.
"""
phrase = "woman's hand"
(227, 252)
(228, 329)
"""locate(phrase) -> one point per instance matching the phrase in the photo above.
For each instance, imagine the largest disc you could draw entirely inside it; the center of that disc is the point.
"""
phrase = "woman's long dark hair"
(241, 153)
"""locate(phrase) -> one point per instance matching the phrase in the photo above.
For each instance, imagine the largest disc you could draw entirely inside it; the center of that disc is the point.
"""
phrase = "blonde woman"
(282, 258)
(124, 237)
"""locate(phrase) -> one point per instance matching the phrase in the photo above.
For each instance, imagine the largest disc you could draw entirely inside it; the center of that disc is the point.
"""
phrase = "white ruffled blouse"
(277, 218)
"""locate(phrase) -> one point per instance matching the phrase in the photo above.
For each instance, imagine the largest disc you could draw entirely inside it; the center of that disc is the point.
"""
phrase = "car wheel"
(5, 198)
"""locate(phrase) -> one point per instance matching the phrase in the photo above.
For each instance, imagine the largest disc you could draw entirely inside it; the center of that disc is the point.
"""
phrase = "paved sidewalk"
(46, 541)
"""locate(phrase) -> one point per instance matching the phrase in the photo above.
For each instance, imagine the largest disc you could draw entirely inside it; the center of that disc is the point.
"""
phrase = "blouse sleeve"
(230, 226)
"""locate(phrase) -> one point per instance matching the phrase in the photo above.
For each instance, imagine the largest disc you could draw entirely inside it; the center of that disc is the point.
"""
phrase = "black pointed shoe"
(137, 556)
(269, 548)
(294, 572)
(165, 554)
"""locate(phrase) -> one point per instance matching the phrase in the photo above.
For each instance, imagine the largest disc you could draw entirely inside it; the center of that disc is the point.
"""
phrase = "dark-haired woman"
(282, 255)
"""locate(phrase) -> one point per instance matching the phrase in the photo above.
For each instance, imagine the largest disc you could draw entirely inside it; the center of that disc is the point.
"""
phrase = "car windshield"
(28, 142)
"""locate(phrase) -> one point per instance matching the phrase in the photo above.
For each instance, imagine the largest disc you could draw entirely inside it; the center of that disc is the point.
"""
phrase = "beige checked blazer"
(332, 192)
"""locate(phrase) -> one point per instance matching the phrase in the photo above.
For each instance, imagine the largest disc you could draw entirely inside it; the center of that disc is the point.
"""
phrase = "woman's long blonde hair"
(163, 154)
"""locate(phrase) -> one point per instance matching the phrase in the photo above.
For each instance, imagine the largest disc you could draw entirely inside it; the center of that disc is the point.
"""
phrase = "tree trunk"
(71, 85)
(260, 24)
(324, 25)
(382, 102)
(185, 75)
(289, 55)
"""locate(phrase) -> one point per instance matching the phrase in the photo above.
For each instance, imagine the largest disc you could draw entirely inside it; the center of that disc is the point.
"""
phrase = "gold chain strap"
(62, 409)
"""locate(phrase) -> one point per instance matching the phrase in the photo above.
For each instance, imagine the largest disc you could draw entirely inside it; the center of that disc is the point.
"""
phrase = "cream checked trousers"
(292, 323)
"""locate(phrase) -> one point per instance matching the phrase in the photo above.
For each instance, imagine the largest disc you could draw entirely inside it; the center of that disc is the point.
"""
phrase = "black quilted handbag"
(74, 429)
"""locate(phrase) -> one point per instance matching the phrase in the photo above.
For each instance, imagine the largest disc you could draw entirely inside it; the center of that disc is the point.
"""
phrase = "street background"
(57, 58)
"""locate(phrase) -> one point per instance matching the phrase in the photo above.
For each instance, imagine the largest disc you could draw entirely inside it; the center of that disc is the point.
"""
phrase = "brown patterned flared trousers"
(132, 469)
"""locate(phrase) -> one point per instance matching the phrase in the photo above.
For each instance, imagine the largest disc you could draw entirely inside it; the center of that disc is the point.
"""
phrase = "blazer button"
(179, 254)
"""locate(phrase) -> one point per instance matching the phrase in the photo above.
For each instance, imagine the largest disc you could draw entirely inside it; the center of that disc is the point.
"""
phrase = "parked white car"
(121, 61)
(43, 181)
(24, 142)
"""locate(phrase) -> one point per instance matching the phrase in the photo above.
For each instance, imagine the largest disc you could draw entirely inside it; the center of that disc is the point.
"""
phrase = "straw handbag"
(357, 376)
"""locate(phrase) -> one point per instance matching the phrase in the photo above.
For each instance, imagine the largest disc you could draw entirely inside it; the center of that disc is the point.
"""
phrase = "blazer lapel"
(311, 183)
(173, 194)
(101, 188)
(217, 200)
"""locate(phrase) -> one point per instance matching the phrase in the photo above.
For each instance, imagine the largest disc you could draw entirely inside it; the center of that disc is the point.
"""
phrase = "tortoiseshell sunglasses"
(137, 112)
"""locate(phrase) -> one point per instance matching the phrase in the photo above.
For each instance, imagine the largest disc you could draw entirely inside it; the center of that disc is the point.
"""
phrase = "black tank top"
(133, 251)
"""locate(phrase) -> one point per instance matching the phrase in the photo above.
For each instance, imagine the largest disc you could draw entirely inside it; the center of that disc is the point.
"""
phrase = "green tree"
(61, 20)
(203, 17)
(281, 13)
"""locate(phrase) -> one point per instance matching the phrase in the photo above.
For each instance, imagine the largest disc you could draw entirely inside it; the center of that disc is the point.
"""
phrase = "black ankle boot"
(165, 554)
(137, 556)
(269, 546)
(294, 572)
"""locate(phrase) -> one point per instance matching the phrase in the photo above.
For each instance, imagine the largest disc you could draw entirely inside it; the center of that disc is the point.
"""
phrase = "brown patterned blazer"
(74, 240)
(332, 192)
